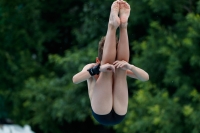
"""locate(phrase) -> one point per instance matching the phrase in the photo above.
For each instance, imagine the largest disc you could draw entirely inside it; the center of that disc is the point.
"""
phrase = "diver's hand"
(107, 68)
(122, 64)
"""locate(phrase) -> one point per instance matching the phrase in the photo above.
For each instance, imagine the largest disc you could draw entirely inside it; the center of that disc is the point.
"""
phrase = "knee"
(121, 106)
(101, 106)
(101, 109)
(121, 110)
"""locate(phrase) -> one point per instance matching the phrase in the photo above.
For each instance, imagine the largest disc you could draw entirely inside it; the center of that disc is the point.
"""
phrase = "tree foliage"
(44, 43)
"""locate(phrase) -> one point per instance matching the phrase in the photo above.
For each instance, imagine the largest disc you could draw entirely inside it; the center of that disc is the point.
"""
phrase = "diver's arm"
(91, 70)
(132, 71)
(138, 73)
(82, 75)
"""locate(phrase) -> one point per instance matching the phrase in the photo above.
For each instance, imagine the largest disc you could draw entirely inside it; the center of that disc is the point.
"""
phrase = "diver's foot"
(124, 13)
(114, 20)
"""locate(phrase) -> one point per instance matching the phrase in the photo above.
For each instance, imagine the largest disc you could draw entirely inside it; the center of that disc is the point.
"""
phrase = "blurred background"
(43, 43)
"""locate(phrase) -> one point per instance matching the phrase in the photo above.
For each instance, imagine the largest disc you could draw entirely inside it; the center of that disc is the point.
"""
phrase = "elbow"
(74, 80)
(146, 77)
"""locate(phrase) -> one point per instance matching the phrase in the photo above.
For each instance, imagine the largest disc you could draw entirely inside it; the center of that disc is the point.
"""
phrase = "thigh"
(102, 98)
(120, 92)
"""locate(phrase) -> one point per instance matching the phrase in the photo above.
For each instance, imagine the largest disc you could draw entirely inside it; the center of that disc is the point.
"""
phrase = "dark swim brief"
(109, 119)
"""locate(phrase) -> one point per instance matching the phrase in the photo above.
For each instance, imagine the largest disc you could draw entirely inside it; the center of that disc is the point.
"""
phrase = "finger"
(122, 65)
(115, 62)
(117, 65)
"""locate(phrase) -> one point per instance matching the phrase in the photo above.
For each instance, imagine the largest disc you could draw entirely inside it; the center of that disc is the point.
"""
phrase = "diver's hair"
(101, 45)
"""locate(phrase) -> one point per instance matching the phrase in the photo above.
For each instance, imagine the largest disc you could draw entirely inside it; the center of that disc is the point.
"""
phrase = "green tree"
(44, 43)
(21, 48)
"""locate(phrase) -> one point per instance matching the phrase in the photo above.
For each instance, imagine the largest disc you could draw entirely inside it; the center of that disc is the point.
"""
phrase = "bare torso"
(91, 83)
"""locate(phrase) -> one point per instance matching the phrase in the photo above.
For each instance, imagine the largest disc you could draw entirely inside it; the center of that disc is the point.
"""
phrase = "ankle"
(124, 25)
(112, 27)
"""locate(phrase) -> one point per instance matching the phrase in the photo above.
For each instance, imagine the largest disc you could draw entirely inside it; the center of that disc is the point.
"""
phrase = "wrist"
(131, 67)
(94, 70)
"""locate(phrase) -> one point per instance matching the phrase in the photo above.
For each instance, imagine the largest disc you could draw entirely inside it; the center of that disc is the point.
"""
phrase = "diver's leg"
(109, 49)
(123, 46)
(102, 99)
(120, 92)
